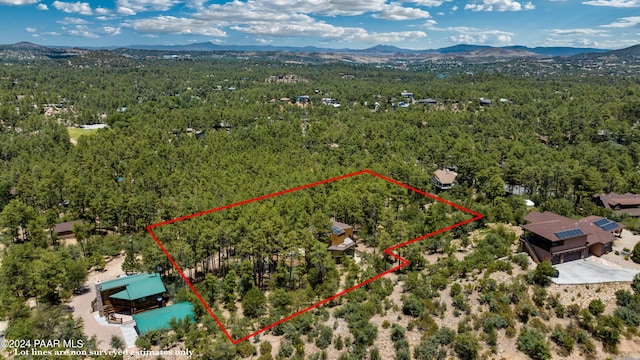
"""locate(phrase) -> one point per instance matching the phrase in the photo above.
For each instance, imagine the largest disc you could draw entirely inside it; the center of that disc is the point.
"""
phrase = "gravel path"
(82, 305)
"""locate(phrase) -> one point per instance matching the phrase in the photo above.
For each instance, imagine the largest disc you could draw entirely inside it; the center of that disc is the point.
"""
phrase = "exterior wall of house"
(596, 249)
(137, 305)
(568, 250)
(337, 239)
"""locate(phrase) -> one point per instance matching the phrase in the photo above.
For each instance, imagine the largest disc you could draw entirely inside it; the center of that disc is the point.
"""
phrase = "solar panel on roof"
(612, 225)
(601, 222)
(568, 234)
(336, 230)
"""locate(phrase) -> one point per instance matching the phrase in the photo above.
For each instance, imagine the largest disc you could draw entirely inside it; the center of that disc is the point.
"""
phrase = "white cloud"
(132, 7)
(382, 38)
(427, 3)
(581, 32)
(397, 12)
(174, 25)
(499, 5)
(18, 2)
(431, 25)
(264, 41)
(102, 11)
(30, 30)
(624, 22)
(470, 35)
(454, 8)
(110, 30)
(82, 31)
(72, 21)
(78, 7)
(42, 7)
(614, 3)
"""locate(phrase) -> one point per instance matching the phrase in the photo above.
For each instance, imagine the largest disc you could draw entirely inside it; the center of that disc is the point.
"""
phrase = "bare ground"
(82, 304)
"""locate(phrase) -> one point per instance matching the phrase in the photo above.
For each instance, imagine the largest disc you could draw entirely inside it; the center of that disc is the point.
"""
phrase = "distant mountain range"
(378, 49)
(462, 51)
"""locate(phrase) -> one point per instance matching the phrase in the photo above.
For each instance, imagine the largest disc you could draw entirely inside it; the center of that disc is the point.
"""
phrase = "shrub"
(532, 342)
(286, 349)
(456, 289)
(245, 349)
(265, 348)
(397, 333)
(385, 324)
(521, 260)
(565, 341)
(635, 256)
(324, 339)
(628, 315)
(596, 307)
(466, 346)
(338, 344)
(543, 272)
(426, 350)
(411, 305)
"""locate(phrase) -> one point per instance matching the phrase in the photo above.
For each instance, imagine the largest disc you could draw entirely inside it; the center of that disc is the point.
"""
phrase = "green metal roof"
(136, 286)
(160, 318)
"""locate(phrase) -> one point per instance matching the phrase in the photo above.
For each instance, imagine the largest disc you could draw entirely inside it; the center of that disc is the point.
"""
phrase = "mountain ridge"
(459, 50)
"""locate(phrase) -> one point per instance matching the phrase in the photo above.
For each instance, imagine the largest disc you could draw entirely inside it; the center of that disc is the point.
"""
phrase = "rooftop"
(556, 227)
(136, 286)
(159, 318)
(65, 226)
(445, 176)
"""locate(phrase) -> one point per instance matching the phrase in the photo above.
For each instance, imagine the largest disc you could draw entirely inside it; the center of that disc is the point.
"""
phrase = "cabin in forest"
(558, 239)
(130, 294)
(65, 230)
(620, 203)
(485, 102)
(444, 179)
(341, 239)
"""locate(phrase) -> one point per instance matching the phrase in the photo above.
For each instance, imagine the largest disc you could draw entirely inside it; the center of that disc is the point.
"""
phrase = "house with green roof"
(130, 294)
(159, 319)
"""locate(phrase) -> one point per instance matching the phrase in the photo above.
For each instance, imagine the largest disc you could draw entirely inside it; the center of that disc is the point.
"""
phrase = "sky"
(356, 24)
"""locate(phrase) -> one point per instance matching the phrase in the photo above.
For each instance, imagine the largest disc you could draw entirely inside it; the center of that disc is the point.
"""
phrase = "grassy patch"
(75, 133)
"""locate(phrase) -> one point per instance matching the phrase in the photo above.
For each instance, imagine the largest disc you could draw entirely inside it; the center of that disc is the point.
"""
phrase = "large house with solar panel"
(555, 238)
(342, 242)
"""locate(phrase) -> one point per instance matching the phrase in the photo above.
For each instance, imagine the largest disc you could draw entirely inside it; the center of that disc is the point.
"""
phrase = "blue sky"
(413, 24)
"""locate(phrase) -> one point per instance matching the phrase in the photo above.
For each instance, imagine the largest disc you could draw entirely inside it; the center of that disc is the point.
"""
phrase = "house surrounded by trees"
(620, 203)
(341, 239)
(444, 179)
(130, 294)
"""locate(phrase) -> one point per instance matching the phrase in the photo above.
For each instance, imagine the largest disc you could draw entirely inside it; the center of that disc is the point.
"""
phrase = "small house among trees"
(65, 230)
(444, 179)
(341, 239)
(555, 238)
(130, 294)
(620, 203)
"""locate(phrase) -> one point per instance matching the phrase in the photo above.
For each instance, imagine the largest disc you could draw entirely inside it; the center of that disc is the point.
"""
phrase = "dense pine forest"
(185, 136)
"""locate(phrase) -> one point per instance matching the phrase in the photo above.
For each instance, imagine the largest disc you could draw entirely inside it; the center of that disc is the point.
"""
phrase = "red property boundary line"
(389, 251)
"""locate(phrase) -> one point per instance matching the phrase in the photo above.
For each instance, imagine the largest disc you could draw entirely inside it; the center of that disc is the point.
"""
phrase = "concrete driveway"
(591, 271)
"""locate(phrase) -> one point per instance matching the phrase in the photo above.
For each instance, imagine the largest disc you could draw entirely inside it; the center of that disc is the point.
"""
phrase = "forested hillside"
(186, 136)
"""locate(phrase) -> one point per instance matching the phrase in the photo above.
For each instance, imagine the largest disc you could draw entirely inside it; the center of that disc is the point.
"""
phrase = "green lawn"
(75, 133)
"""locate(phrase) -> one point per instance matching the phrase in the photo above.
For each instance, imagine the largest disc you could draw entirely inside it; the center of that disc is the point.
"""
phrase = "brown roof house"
(444, 179)
(341, 239)
(620, 203)
(558, 239)
(65, 230)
